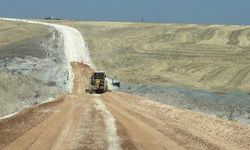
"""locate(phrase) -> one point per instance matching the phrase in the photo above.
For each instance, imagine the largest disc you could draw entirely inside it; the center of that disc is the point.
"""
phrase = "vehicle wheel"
(105, 87)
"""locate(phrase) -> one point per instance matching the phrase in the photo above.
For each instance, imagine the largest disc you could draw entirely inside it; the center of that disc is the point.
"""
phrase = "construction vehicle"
(115, 83)
(98, 83)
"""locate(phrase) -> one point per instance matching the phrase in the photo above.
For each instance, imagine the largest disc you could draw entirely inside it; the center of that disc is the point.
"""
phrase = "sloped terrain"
(234, 105)
(30, 65)
(177, 128)
(14, 32)
(203, 68)
(18, 92)
(116, 120)
(214, 57)
(113, 120)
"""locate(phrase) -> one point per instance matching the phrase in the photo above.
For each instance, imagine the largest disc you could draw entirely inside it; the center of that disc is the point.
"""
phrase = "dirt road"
(115, 121)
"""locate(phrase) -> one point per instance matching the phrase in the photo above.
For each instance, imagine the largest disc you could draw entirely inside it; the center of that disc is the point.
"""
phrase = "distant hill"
(215, 57)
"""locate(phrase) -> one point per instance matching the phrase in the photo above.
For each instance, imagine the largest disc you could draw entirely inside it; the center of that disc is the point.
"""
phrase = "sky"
(163, 11)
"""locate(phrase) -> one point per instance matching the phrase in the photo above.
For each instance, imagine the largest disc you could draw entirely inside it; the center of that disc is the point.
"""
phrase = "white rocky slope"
(35, 76)
(73, 48)
(76, 51)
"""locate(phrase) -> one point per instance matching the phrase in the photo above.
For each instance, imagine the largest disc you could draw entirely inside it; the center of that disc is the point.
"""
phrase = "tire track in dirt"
(93, 135)
(16, 126)
(110, 126)
(142, 135)
(196, 69)
(190, 130)
(214, 73)
(78, 124)
(75, 124)
(240, 76)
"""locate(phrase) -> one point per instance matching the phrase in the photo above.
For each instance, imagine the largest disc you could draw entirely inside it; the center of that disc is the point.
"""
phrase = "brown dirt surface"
(80, 121)
(175, 129)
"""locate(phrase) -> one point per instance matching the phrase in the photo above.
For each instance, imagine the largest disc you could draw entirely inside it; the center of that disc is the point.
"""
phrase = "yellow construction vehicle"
(98, 83)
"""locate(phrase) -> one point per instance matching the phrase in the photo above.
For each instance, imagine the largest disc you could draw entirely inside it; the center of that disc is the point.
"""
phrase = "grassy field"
(214, 57)
(19, 39)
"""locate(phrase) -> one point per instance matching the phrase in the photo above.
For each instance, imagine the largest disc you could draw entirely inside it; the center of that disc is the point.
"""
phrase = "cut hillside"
(214, 57)
(31, 65)
(18, 92)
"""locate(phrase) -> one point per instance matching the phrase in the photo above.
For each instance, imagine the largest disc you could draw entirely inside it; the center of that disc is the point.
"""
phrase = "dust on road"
(79, 121)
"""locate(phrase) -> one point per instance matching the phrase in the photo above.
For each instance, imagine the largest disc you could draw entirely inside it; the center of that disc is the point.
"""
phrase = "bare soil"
(74, 122)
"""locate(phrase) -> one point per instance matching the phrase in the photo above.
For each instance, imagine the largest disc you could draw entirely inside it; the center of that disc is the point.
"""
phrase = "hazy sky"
(179, 11)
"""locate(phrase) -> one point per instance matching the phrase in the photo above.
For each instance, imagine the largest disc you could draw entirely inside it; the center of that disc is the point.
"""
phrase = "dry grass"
(11, 32)
(17, 91)
(213, 57)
